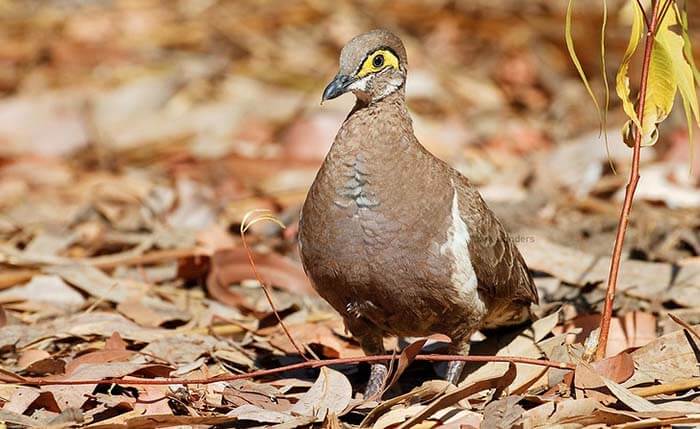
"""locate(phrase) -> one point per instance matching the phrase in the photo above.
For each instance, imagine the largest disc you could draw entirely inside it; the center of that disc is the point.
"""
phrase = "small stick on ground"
(302, 365)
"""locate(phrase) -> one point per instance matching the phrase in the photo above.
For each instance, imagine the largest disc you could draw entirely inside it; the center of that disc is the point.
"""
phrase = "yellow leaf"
(661, 90)
(604, 72)
(670, 71)
(622, 80)
(574, 58)
(687, 106)
(670, 36)
(689, 124)
(688, 47)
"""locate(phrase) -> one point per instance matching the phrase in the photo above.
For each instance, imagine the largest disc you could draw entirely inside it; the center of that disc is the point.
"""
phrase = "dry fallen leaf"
(666, 359)
(131, 149)
(331, 392)
(499, 383)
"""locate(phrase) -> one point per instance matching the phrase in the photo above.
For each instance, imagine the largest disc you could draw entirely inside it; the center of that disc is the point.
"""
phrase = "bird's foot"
(377, 377)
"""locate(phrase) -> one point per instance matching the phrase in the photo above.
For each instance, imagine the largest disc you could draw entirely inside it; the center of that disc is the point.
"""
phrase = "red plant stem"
(629, 190)
(662, 15)
(301, 365)
(644, 14)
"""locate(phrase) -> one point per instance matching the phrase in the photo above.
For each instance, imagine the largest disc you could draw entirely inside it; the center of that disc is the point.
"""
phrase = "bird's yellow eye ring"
(378, 61)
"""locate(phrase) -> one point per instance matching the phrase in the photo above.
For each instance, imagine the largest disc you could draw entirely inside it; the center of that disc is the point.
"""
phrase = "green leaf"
(622, 80)
(575, 60)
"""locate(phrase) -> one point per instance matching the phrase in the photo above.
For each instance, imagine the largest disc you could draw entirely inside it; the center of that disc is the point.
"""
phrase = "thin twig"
(662, 15)
(296, 366)
(245, 224)
(657, 422)
(629, 190)
(664, 389)
(644, 14)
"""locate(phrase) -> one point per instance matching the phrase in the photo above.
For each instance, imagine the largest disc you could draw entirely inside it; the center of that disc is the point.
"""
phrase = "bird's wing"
(499, 267)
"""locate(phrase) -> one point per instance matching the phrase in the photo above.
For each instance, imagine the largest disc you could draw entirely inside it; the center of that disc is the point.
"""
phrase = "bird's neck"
(376, 113)
(395, 97)
(381, 130)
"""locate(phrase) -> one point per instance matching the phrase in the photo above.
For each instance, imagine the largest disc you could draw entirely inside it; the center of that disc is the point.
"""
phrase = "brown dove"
(396, 240)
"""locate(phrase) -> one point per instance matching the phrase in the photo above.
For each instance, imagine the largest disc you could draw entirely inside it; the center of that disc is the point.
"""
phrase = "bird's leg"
(373, 345)
(455, 367)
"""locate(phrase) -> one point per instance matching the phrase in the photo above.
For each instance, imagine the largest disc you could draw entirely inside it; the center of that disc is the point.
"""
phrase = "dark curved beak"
(338, 86)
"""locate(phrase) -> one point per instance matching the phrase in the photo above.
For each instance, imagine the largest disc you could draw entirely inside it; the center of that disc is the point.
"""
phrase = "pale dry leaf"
(569, 410)
(525, 345)
(233, 356)
(85, 324)
(564, 263)
(7, 416)
(550, 414)
(640, 279)
(635, 329)
(137, 421)
(101, 356)
(258, 414)
(498, 382)
(30, 356)
(397, 416)
(503, 413)
(656, 185)
(49, 124)
(98, 284)
(50, 243)
(322, 334)
(158, 274)
(152, 311)
(683, 291)
(195, 208)
(456, 418)
(21, 399)
(105, 324)
(331, 392)
(296, 422)
(183, 348)
(666, 359)
(75, 396)
(46, 290)
(426, 391)
(637, 403)
(265, 396)
(187, 368)
(40, 362)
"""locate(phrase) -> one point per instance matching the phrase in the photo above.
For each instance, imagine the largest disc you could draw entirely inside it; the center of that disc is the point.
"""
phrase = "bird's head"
(372, 66)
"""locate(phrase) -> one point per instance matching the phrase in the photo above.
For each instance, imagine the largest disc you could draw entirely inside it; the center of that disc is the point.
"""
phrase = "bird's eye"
(378, 61)
(375, 62)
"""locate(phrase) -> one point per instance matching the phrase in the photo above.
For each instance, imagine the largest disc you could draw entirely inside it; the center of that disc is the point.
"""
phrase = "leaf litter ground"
(136, 136)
